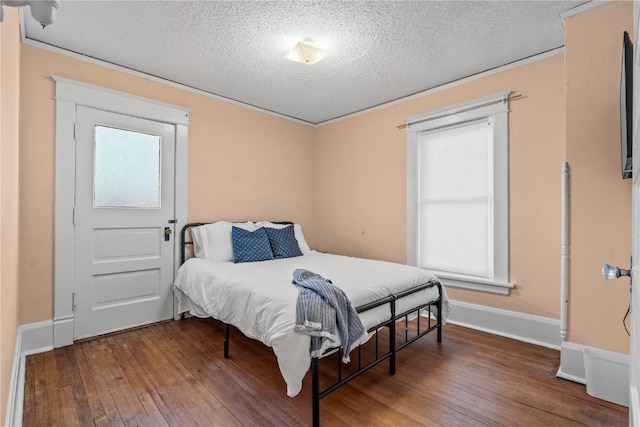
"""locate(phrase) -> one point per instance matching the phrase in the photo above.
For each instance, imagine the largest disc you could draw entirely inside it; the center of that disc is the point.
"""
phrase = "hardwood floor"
(173, 374)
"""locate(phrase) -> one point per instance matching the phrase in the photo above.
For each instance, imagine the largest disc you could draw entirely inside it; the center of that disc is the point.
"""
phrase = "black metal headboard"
(183, 239)
(184, 242)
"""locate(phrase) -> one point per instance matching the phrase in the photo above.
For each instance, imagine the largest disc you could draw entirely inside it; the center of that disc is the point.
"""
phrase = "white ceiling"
(380, 50)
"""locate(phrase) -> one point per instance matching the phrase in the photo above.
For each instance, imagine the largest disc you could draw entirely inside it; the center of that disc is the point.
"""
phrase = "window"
(457, 194)
(126, 169)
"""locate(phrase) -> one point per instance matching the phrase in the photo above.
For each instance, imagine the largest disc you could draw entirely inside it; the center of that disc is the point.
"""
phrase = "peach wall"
(600, 199)
(360, 182)
(9, 125)
(345, 182)
(242, 164)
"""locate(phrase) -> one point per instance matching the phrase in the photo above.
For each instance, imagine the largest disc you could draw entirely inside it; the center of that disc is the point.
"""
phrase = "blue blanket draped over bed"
(324, 312)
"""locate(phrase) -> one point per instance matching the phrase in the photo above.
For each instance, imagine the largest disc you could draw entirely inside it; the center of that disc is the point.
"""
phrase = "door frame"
(634, 351)
(68, 95)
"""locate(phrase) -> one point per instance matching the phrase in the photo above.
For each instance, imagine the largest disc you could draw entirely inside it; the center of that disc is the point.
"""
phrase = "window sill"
(475, 284)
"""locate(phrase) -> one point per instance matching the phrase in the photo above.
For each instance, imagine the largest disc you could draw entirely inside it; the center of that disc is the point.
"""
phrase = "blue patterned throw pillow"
(249, 246)
(283, 242)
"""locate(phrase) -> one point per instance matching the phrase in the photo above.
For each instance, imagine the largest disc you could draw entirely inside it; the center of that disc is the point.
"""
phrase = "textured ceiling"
(380, 50)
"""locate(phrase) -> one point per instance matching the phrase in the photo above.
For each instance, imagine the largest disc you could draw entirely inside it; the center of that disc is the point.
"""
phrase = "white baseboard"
(542, 331)
(32, 338)
(36, 337)
(16, 391)
(572, 362)
(605, 373)
(63, 331)
(634, 407)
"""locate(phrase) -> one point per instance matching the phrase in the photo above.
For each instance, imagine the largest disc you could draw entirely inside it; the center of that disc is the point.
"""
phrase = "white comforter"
(260, 300)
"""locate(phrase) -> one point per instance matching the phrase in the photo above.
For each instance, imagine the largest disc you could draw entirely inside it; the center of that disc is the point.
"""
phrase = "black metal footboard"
(395, 318)
(393, 347)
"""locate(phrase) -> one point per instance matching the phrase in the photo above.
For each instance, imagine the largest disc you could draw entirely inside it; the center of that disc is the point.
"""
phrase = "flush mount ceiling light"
(306, 53)
(44, 11)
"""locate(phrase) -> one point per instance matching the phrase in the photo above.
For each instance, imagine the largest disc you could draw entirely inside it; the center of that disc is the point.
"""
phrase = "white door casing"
(70, 96)
(124, 203)
(634, 357)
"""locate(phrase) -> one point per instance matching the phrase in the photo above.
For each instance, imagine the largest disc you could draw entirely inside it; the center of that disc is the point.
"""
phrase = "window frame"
(495, 108)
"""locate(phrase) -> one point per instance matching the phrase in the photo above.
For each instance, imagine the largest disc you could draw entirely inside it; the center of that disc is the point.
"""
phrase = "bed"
(259, 298)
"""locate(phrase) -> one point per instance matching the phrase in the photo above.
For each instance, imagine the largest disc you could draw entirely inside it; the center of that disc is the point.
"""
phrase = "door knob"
(611, 272)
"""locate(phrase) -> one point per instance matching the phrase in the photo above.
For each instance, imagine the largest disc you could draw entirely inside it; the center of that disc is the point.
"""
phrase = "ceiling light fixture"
(306, 53)
(43, 11)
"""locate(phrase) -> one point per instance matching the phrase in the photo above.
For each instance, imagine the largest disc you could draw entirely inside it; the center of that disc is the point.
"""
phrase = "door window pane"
(126, 169)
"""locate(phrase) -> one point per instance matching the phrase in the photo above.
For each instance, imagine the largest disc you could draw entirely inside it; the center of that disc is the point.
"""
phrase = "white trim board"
(604, 376)
(542, 331)
(32, 338)
(492, 110)
(572, 362)
(572, 366)
(69, 94)
(15, 399)
(445, 86)
(634, 414)
(585, 7)
(155, 79)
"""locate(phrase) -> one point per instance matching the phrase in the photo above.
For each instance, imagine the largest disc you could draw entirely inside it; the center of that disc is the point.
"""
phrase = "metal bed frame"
(392, 349)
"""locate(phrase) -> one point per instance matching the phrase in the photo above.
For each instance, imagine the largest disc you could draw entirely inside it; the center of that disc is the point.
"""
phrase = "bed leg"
(315, 391)
(226, 340)
(392, 338)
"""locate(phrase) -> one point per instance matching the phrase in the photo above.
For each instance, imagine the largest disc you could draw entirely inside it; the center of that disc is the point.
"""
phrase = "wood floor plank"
(29, 391)
(183, 387)
(202, 407)
(247, 402)
(173, 374)
(95, 353)
(157, 378)
(152, 409)
(70, 373)
(67, 416)
(252, 406)
(41, 411)
(138, 378)
(53, 389)
(91, 392)
(129, 406)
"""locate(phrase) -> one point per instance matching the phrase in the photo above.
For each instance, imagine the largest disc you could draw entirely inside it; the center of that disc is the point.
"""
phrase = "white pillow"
(213, 241)
(297, 231)
(199, 238)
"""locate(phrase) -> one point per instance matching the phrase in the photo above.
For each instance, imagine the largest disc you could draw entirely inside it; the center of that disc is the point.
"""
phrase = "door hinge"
(75, 131)
(73, 216)
(73, 301)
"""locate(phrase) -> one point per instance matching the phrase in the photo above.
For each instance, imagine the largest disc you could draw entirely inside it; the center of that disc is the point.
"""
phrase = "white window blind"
(455, 199)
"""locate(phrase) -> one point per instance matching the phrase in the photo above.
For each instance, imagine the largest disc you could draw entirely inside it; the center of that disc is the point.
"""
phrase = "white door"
(123, 214)
(634, 359)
